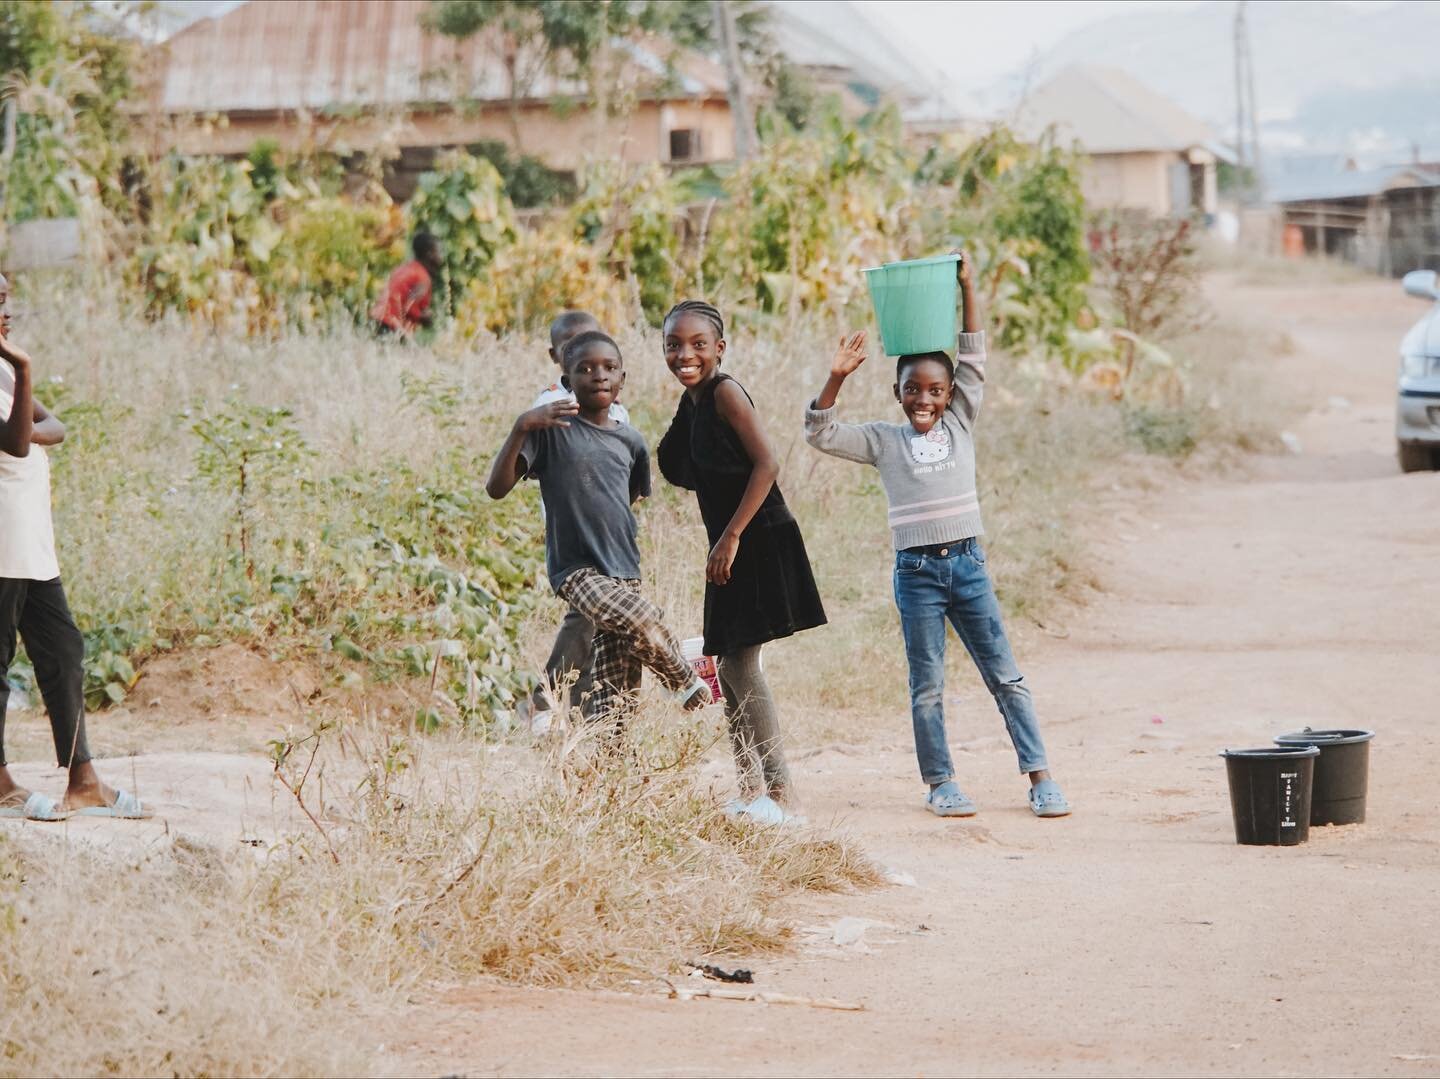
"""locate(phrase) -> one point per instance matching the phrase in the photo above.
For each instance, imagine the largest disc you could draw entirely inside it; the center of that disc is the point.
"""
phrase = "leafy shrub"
(205, 219)
(1018, 208)
(463, 204)
(529, 182)
(1149, 272)
(808, 212)
(1167, 432)
(332, 260)
(68, 76)
(544, 272)
(629, 216)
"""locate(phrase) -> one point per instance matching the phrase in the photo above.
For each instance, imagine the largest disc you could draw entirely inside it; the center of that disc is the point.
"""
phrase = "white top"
(557, 392)
(27, 536)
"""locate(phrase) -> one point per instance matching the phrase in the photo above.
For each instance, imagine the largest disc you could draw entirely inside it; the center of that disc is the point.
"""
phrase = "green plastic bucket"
(915, 304)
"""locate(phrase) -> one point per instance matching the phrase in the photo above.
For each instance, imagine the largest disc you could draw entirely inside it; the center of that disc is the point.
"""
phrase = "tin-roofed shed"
(1386, 220)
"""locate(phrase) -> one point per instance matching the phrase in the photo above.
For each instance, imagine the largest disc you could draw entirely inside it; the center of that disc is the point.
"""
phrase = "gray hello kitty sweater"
(929, 479)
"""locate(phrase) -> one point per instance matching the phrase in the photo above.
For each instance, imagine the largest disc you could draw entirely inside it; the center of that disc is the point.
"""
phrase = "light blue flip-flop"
(125, 807)
(763, 810)
(1046, 800)
(37, 807)
(948, 800)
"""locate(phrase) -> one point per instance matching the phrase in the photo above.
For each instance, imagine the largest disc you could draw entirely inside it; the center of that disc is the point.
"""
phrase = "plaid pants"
(630, 632)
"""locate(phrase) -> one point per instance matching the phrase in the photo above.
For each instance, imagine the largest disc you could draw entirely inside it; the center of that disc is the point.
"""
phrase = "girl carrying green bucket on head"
(927, 466)
(758, 583)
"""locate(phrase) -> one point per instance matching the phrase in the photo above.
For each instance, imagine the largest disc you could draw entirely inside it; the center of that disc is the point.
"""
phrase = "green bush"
(463, 204)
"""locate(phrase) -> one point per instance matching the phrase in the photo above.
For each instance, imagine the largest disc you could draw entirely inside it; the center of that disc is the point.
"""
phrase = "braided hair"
(701, 308)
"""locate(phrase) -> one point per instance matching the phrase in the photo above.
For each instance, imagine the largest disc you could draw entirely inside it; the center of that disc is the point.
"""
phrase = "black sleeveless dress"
(771, 592)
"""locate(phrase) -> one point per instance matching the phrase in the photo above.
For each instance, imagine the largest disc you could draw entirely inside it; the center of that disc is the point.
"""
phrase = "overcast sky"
(1013, 32)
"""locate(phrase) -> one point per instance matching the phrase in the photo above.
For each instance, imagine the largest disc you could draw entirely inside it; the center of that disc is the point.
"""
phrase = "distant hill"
(1329, 77)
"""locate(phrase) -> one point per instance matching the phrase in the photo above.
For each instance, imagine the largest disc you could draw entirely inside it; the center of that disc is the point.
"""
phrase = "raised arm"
(969, 351)
(848, 357)
(506, 470)
(969, 306)
(846, 440)
(17, 430)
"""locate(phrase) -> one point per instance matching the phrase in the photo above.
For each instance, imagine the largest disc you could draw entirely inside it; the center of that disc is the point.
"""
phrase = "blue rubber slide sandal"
(1047, 801)
(948, 800)
(125, 807)
(37, 807)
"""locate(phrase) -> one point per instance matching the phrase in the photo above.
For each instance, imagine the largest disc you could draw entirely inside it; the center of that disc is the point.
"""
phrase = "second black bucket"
(1270, 794)
(1342, 774)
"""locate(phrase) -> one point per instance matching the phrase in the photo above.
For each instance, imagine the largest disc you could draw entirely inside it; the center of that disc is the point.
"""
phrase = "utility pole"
(724, 20)
(1247, 129)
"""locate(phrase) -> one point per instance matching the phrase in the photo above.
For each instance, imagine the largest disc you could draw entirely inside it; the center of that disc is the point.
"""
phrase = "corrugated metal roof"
(1107, 111)
(326, 54)
(1356, 184)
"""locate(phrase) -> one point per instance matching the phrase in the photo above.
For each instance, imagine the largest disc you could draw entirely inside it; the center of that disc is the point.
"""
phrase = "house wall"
(562, 138)
(1141, 180)
(1129, 181)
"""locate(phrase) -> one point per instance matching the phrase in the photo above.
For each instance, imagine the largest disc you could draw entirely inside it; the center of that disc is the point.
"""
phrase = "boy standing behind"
(591, 469)
(404, 306)
(573, 651)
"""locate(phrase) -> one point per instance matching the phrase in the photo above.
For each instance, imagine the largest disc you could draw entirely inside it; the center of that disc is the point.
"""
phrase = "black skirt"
(771, 592)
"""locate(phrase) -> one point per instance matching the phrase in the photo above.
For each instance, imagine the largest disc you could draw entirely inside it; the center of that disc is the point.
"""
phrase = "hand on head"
(964, 271)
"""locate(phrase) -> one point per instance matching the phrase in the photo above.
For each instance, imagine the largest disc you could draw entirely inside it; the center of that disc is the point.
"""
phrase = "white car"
(1417, 417)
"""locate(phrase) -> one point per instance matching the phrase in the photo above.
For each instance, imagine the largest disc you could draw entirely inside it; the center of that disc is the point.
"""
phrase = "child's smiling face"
(692, 349)
(924, 392)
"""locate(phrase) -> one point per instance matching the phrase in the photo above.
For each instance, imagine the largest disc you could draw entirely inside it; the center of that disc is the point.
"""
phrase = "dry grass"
(1255, 269)
(561, 864)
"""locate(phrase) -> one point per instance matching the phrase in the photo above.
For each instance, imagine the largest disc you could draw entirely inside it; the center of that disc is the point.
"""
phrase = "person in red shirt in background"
(404, 306)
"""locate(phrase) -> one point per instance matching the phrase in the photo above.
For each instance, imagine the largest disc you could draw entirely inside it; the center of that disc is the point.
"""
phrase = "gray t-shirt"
(588, 477)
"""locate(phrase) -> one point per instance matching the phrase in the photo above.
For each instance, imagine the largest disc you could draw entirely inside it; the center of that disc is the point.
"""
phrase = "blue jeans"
(949, 581)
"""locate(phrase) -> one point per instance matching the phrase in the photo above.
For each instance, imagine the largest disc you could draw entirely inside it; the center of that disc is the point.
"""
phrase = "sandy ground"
(1135, 936)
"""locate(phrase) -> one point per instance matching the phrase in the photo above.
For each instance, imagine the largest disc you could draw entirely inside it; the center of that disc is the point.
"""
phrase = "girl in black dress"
(758, 584)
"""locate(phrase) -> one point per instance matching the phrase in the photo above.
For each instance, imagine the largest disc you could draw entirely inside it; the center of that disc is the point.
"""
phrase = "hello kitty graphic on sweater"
(929, 479)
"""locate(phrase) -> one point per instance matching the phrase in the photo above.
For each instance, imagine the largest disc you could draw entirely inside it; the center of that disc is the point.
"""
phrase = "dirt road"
(1135, 936)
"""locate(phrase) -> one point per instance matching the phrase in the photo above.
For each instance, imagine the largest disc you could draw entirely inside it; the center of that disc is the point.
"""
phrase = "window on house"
(684, 144)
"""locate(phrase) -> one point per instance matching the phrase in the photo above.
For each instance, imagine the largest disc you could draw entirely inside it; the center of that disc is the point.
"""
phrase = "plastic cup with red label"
(693, 649)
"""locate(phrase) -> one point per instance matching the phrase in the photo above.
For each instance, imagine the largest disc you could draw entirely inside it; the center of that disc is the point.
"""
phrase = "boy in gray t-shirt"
(572, 655)
(591, 469)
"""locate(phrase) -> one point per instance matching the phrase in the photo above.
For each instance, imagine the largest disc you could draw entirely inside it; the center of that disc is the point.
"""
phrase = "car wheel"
(1417, 457)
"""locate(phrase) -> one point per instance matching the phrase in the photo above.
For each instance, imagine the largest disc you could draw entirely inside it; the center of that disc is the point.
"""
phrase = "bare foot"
(85, 789)
(11, 793)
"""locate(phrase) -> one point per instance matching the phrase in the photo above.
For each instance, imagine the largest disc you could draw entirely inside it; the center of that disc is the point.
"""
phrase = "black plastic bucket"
(1342, 774)
(1270, 794)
